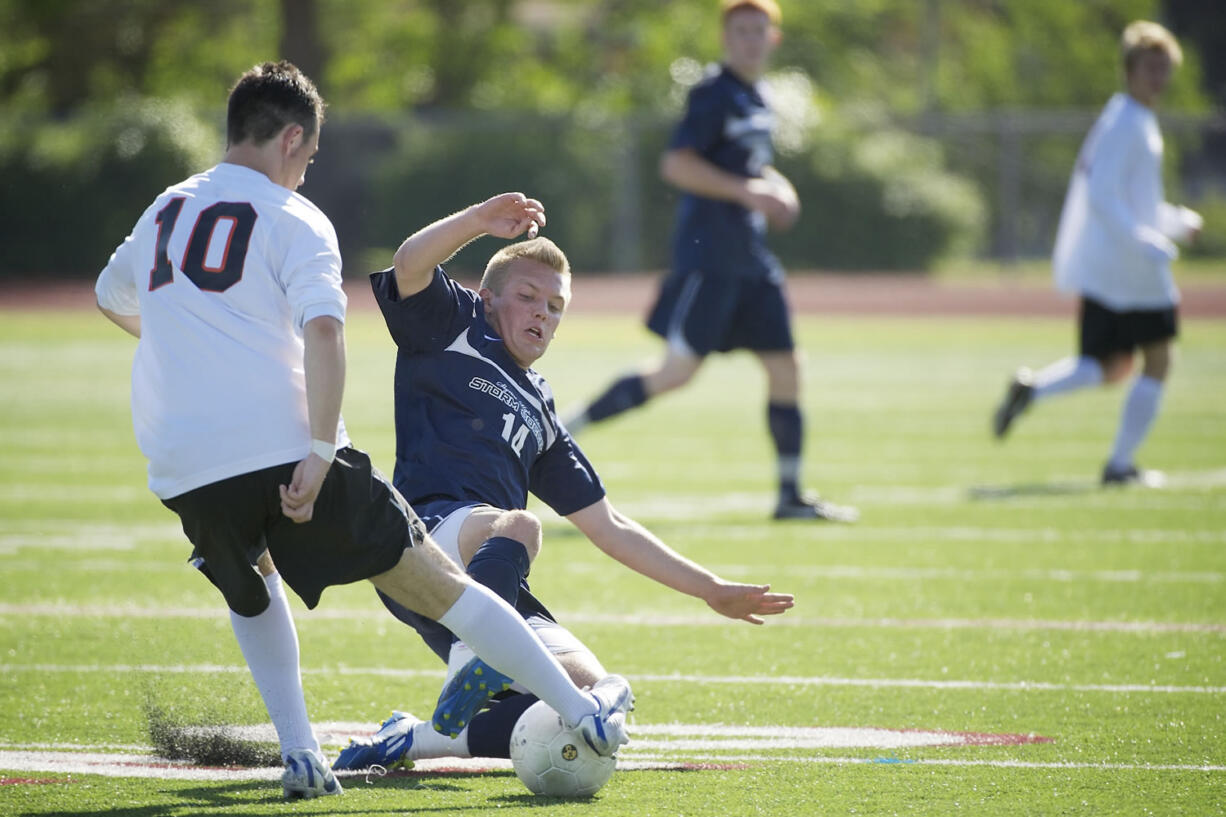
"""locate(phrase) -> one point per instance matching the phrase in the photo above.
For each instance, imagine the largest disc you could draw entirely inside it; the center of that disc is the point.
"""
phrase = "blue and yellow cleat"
(385, 748)
(465, 694)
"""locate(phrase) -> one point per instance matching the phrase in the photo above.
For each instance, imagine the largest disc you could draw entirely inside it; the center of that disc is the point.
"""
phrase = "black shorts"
(1105, 332)
(360, 528)
(715, 313)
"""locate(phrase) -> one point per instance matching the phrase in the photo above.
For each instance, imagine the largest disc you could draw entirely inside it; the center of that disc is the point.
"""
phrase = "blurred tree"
(300, 42)
(56, 55)
(1202, 24)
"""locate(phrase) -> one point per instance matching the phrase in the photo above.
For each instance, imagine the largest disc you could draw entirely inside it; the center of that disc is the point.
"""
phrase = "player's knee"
(1116, 367)
(522, 526)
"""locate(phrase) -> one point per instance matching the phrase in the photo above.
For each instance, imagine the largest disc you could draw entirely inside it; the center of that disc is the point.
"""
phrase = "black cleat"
(1017, 399)
(812, 507)
(1131, 475)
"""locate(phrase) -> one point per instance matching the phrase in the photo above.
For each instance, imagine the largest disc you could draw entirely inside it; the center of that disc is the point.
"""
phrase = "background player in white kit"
(1114, 247)
(231, 280)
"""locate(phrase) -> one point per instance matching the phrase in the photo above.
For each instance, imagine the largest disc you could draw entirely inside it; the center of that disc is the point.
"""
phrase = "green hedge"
(73, 188)
(876, 200)
(873, 198)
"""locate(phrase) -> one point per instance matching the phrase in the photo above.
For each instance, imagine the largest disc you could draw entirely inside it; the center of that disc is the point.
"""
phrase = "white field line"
(654, 620)
(740, 680)
(92, 536)
(682, 737)
(941, 761)
(148, 766)
(848, 572)
(858, 572)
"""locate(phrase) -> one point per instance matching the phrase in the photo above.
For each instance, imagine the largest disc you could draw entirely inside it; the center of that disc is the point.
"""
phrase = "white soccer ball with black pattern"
(553, 760)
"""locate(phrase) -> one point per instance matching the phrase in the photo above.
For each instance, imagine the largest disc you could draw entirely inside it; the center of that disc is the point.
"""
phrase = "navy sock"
(625, 394)
(500, 564)
(787, 430)
(489, 732)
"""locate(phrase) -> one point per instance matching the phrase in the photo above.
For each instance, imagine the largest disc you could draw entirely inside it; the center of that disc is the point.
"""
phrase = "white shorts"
(556, 638)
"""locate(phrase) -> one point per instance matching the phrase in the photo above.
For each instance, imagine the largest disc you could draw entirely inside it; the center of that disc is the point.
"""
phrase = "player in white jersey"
(1114, 248)
(231, 281)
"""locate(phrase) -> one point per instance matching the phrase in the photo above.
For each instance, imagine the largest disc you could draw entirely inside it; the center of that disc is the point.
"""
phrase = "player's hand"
(774, 197)
(298, 498)
(748, 602)
(510, 215)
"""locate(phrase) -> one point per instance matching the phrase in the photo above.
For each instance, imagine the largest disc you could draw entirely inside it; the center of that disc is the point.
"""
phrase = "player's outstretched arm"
(507, 215)
(640, 550)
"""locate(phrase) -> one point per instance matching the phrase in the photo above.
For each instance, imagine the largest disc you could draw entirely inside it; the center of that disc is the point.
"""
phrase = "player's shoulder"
(714, 84)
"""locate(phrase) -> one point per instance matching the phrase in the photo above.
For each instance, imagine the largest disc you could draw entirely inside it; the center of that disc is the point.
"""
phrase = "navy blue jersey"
(471, 424)
(728, 123)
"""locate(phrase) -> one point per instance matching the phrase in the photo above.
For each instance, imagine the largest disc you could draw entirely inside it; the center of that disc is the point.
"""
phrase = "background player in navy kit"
(231, 282)
(476, 430)
(726, 289)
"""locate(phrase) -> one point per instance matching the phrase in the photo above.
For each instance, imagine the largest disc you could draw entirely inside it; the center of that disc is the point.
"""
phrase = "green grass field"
(988, 589)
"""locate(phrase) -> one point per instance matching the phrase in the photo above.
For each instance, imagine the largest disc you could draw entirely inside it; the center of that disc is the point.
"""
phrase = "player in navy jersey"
(231, 281)
(476, 432)
(726, 288)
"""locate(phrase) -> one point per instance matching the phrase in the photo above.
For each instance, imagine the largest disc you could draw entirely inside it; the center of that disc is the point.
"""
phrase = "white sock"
(427, 743)
(270, 644)
(502, 639)
(1140, 408)
(1067, 374)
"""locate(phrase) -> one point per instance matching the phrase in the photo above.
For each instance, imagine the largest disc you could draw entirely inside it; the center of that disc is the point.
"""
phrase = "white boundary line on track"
(650, 619)
(744, 680)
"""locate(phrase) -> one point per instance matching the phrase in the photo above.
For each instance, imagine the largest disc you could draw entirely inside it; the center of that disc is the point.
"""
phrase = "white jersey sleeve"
(116, 287)
(311, 273)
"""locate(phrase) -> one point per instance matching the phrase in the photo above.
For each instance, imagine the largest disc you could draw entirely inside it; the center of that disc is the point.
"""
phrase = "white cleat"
(306, 776)
(605, 729)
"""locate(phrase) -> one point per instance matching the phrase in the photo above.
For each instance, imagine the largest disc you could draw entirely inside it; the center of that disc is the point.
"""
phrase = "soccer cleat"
(1018, 396)
(605, 729)
(808, 506)
(1131, 475)
(385, 748)
(465, 694)
(307, 776)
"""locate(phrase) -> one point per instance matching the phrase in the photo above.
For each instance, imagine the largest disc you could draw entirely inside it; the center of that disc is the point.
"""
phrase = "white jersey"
(224, 270)
(1114, 243)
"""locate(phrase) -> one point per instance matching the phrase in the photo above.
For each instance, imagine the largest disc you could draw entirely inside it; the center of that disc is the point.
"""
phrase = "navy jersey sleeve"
(703, 124)
(563, 478)
(427, 320)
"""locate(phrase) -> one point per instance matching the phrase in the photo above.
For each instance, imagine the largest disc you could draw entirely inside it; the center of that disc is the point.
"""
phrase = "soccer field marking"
(742, 680)
(703, 737)
(653, 620)
(988, 574)
(852, 572)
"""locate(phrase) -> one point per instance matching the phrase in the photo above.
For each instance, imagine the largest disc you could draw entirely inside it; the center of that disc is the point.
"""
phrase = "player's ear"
(292, 138)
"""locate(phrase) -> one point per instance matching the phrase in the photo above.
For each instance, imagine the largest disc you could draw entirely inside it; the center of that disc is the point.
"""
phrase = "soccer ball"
(553, 760)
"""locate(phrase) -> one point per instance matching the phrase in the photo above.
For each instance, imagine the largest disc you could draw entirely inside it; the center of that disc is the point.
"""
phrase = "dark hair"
(269, 97)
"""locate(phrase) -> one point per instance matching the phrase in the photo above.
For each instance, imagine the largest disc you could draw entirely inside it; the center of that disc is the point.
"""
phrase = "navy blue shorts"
(1105, 332)
(708, 313)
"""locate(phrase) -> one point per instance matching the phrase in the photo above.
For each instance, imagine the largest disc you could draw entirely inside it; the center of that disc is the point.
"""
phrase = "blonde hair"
(1141, 36)
(538, 249)
(768, 7)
